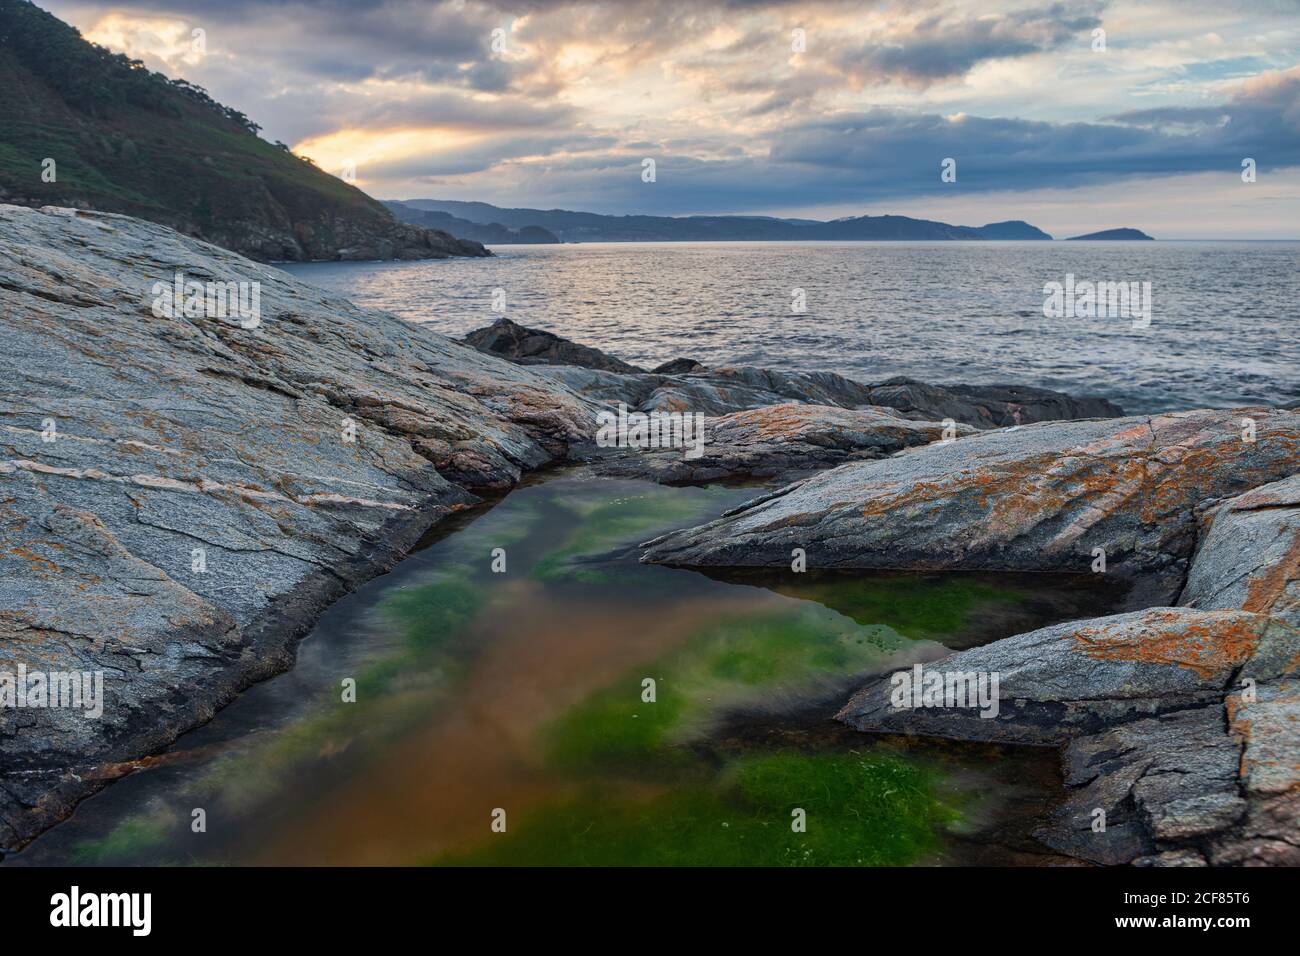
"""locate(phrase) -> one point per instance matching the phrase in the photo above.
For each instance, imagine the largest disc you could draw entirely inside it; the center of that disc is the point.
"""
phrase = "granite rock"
(781, 443)
(180, 495)
(1045, 497)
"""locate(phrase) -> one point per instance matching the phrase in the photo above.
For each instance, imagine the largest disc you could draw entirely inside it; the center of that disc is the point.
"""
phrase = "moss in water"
(859, 810)
(745, 659)
(393, 691)
(428, 617)
(614, 731)
(427, 614)
(602, 524)
(918, 607)
(626, 782)
(135, 836)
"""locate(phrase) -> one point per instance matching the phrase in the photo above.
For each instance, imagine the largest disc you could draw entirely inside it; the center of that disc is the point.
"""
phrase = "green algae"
(426, 617)
(427, 614)
(128, 840)
(719, 809)
(630, 781)
(921, 607)
(857, 810)
(600, 524)
(744, 659)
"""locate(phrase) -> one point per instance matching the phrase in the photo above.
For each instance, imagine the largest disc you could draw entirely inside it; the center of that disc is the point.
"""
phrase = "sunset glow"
(773, 107)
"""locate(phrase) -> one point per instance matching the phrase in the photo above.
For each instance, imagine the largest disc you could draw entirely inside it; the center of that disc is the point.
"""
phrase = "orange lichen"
(1130, 469)
(674, 403)
(37, 562)
(1264, 591)
(1207, 645)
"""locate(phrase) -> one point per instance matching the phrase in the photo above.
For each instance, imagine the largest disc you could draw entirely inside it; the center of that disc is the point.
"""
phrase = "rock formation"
(781, 442)
(536, 347)
(1046, 497)
(684, 384)
(1179, 725)
(182, 495)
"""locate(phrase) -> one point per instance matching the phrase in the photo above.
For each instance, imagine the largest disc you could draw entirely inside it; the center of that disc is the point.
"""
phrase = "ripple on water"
(1225, 329)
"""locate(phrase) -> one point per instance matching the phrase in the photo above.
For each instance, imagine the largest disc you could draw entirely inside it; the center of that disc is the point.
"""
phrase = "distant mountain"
(571, 226)
(125, 139)
(492, 233)
(1114, 234)
(1011, 229)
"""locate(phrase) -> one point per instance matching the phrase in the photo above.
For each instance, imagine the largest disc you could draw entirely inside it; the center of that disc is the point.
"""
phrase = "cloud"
(942, 46)
(738, 120)
(883, 155)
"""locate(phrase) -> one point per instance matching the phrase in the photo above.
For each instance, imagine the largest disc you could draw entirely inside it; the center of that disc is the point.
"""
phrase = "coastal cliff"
(90, 129)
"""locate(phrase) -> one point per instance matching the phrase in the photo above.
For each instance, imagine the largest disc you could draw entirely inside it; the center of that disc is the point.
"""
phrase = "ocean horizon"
(1225, 314)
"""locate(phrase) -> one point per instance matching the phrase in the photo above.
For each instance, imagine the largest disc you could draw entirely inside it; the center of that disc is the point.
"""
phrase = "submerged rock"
(181, 495)
(1180, 725)
(1048, 497)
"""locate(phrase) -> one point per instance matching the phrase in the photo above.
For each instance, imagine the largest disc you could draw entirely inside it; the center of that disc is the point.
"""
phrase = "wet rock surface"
(181, 496)
(536, 347)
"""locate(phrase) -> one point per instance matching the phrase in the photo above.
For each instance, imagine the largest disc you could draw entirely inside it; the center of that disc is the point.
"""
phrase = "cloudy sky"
(819, 109)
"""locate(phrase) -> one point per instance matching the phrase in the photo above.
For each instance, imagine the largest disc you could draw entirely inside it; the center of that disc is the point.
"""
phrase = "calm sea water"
(1225, 328)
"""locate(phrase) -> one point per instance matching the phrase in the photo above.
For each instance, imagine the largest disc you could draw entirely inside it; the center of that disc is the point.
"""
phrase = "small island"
(1114, 234)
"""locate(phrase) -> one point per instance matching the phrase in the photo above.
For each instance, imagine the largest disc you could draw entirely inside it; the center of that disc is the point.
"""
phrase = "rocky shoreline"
(1179, 722)
(184, 495)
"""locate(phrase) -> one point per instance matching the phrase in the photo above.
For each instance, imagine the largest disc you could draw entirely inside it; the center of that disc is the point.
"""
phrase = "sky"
(1074, 115)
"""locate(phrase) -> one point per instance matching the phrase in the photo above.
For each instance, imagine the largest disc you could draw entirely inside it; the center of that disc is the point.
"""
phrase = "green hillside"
(125, 139)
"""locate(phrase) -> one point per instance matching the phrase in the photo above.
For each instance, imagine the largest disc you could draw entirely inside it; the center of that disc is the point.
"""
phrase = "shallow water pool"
(526, 692)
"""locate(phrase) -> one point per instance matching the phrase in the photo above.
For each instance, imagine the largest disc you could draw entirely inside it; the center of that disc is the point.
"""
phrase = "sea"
(1222, 328)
